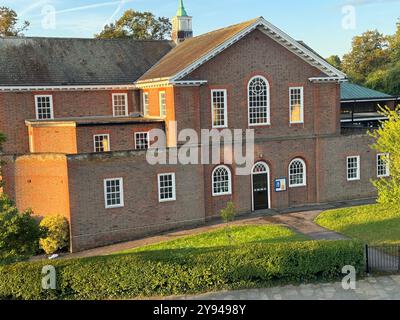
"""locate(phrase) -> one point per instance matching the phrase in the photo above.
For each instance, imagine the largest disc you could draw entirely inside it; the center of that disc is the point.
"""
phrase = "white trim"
(51, 105)
(148, 139)
(363, 119)
(173, 187)
(121, 186)
(358, 168)
(148, 103)
(67, 88)
(268, 173)
(225, 108)
(387, 165)
(327, 79)
(268, 123)
(368, 100)
(126, 104)
(274, 33)
(214, 194)
(165, 102)
(101, 135)
(301, 105)
(165, 83)
(304, 184)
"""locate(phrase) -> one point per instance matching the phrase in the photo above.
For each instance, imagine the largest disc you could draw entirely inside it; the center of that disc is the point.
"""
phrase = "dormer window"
(120, 104)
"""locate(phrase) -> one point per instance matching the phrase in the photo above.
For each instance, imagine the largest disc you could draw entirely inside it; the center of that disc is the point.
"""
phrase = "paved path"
(381, 288)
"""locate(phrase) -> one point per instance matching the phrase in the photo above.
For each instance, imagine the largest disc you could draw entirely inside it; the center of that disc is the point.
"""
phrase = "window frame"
(387, 165)
(51, 105)
(126, 104)
(172, 174)
(225, 95)
(268, 123)
(101, 135)
(229, 192)
(160, 104)
(121, 188)
(148, 139)
(146, 106)
(358, 177)
(301, 105)
(304, 184)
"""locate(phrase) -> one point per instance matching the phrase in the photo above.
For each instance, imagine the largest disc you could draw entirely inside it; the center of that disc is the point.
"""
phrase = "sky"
(328, 26)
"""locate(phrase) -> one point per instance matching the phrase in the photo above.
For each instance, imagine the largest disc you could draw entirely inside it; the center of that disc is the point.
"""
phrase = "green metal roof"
(351, 91)
(181, 10)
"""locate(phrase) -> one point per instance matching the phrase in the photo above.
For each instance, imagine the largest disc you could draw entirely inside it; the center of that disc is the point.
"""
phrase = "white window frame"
(172, 174)
(126, 104)
(268, 123)
(101, 135)
(304, 184)
(301, 105)
(358, 168)
(225, 95)
(229, 192)
(121, 185)
(161, 105)
(51, 105)
(148, 140)
(387, 165)
(146, 106)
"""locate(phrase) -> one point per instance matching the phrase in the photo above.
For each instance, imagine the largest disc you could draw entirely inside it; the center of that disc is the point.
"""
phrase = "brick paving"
(371, 288)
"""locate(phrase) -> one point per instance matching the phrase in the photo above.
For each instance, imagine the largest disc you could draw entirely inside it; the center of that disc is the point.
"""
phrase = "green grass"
(219, 238)
(374, 224)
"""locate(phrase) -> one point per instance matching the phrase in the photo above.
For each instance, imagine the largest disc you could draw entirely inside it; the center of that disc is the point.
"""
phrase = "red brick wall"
(93, 225)
(41, 184)
(122, 137)
(15, 108)
(53, 139)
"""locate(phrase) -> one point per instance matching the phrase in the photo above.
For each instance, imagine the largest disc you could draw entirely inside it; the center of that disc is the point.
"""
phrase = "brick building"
(77, 113)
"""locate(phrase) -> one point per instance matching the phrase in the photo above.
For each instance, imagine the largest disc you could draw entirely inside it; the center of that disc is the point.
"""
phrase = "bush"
(19, 232)
(183, 271)
(56, 230)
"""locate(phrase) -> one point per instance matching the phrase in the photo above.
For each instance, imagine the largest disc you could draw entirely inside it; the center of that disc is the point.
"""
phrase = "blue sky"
(317, 22)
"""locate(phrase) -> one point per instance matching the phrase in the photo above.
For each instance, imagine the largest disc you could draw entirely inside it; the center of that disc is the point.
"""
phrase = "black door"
(260, 191)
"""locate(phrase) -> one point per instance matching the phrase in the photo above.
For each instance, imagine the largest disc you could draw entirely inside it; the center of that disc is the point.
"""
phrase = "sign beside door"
(280, 185)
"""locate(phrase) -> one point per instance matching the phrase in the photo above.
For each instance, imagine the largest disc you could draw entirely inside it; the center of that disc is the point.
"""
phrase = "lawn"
(219, 238)
(374, 224)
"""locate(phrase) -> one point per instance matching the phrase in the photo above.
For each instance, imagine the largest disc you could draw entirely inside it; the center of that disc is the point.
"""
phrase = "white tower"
(181, 25)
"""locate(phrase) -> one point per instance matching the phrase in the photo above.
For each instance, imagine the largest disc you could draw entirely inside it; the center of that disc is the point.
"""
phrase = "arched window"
(258, 92)
(221, 181)
(260, 168)
(297, 173)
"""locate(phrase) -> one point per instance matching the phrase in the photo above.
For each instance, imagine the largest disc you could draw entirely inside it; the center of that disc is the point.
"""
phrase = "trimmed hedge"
(184, 271)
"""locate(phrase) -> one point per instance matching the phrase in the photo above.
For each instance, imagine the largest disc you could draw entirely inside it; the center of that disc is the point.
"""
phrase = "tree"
(138, 26)
(387, 141)
(228, 215)
(9, 22)
(335, 61)
(369, 53)
(19, 231)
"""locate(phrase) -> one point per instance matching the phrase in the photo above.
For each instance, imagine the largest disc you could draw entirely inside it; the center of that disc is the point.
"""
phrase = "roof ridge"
(84, 39)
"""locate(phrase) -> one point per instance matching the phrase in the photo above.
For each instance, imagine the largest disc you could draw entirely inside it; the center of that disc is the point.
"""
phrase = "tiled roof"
(191, 50)
(351, 91)
(64, 61)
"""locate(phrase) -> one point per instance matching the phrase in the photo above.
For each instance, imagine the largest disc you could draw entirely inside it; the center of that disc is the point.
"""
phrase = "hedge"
(183, 271)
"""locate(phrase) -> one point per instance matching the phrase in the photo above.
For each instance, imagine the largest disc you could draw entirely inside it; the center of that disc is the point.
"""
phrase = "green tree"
(387, 141)
(369, 53)
(19, 232)
(335, 61)
(394, 42)
(138, 26)
(9, 23)
(228, 215)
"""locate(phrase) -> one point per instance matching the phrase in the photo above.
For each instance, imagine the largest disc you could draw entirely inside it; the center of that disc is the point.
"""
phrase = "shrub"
(19, 232)
(228, 213)
(56, 231)
(183, 271)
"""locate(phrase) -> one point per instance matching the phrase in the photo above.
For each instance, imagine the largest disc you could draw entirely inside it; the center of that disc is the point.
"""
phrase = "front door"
(260, 191)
